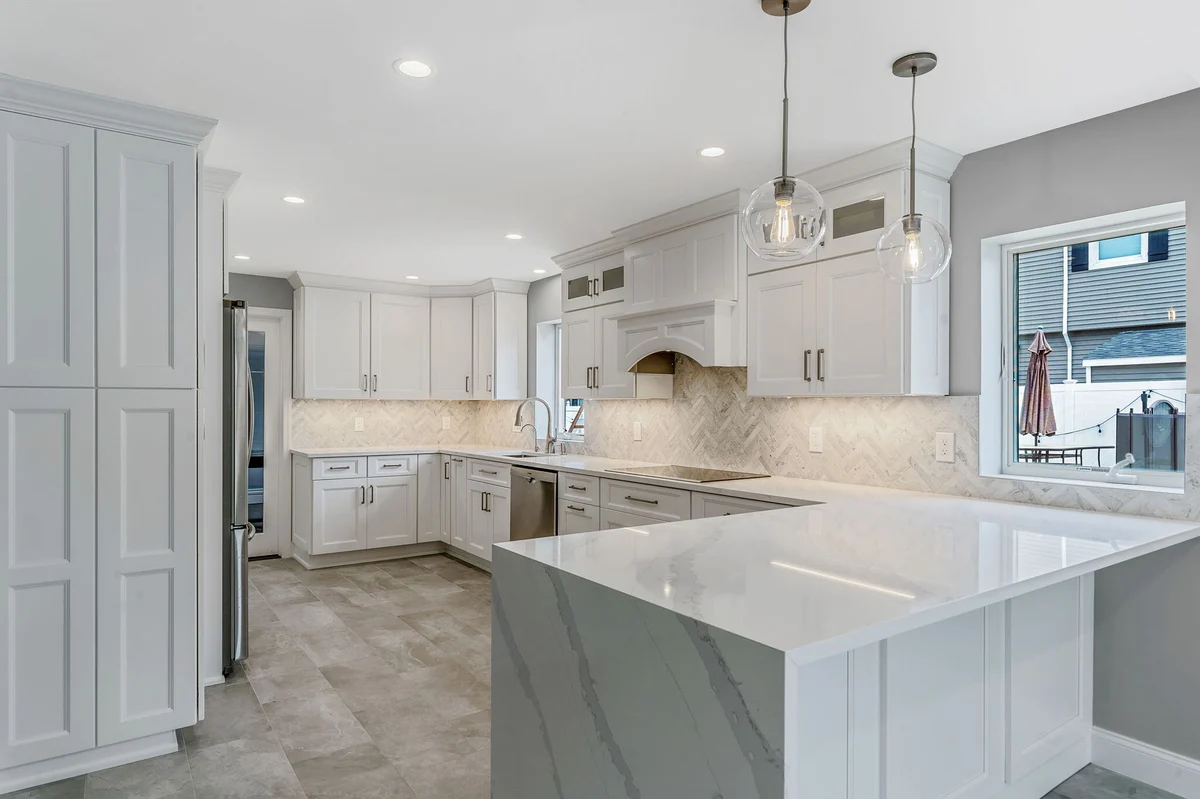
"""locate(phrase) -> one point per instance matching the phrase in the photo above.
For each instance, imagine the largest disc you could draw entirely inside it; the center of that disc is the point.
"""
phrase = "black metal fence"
(1155, 439)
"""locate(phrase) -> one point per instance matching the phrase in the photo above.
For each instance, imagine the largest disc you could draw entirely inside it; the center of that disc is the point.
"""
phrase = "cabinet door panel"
(498, 509)
(392, 511)
(610, 379)
(859, 328)
(429, 497)
(693, 264)
(609, 276)
(485, 346)
(451, 347)
(577, 517)
(146, 563)
(47, 252)
(578, 288)
(857, 214)
(578, 355)
(47, 577)
(399, 347)
(782, 333)
(460, 516)
(337, 343)
(145, 262)
(339, 517)
(479, 532)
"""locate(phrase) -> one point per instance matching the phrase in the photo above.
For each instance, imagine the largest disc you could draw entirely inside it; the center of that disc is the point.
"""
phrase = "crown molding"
(317, 280)
(221, 180)
(589, 253)
(932, 159)
(83, 108)
(731, 202)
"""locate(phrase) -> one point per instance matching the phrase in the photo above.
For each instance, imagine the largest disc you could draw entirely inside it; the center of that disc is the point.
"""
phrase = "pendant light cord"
(787, 7)
(912, 153)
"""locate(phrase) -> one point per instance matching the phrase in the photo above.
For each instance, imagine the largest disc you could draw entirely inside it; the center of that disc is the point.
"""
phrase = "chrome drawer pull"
(337, 468)
(639, 499)
(390, 465)
(487, 471)
(577, 488)
(576, 509)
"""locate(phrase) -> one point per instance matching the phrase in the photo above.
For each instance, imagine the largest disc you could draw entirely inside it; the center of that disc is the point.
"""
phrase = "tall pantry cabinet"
(98, 430)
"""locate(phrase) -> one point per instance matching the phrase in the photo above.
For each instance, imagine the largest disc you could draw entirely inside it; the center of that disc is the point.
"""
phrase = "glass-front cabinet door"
(579, 287)
(609, 275)
(858, 213)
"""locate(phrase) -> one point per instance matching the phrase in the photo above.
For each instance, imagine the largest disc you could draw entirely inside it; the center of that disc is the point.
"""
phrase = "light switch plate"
(445, 422)
(944, 447)
(358, 424)
(816, 440)
(637, 431)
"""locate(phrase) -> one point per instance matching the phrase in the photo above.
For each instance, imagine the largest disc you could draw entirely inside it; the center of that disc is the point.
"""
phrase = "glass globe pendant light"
(914, 249)
(784, 219)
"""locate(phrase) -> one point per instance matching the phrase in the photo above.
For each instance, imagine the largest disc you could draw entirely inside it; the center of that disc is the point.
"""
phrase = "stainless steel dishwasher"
(532, 512)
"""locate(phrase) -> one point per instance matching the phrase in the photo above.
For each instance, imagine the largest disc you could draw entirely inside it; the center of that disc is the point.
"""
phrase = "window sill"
(1025, 478)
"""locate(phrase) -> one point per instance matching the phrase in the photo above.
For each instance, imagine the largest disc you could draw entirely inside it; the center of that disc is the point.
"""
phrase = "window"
(1097, 353)
(568, 411)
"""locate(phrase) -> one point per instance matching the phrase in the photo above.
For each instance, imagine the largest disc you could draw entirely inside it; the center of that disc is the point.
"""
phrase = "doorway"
(270, 500)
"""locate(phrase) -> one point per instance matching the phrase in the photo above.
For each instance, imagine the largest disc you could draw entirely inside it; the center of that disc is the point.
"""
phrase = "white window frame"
(1096, 262)
(560, 420)
(998, 402)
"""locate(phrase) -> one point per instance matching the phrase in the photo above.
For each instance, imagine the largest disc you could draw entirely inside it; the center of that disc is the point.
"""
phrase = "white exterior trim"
(1096, 262)
(1141, 360)
(1160, 768)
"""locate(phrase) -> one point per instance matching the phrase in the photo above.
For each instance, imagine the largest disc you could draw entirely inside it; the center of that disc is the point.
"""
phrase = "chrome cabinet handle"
(337, 468)
(363, 501)
(365, 384)
(639, 499)
(374, 382)
(468, 382)
(807, 356)
(597, 282)
(390, 465)
(575, 508)
(577, 488)
(821, 364)
(372, 495)
(487, 471)
(595, 377)
(446, 470)
(489, 384)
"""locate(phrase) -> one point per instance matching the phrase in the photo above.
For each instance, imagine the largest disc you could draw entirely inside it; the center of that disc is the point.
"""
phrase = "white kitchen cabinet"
(610, 379)
(499, 506)
(578, 354)
(500, 346)
(333, 343)
(646, 499)
(392, 511)
(451, 347)
(47, 576)
(616, 519)
(577, 517)
(707, 506)
(400, 346)
(591, 356)
(430, 477)
(488, 508)
(594, 283)
(145, 262)
(782, 321)
(447, 498)
(460, 521)
(856, 214)
(860, 340)
(47, 252)
(339, 516)
(145, 563)
(698, 263)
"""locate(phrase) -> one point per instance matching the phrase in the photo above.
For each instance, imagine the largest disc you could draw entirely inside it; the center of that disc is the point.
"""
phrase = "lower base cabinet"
(488, 507)
(391, 511)
(350, 514)
(577, 517)
(460, 518)
(616, 519)
(339, 516)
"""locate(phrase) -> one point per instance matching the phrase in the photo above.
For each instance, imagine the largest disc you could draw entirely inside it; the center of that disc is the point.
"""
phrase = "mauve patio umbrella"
(1037, 416)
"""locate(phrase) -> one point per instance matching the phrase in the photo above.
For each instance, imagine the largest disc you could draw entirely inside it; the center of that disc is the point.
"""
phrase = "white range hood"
(705, 332)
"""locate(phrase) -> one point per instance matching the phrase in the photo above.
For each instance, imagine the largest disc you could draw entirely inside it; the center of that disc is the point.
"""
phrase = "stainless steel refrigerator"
(235, 522)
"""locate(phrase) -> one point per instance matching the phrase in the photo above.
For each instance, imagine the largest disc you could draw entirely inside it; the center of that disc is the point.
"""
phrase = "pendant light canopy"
(785, 217)
(914, 249)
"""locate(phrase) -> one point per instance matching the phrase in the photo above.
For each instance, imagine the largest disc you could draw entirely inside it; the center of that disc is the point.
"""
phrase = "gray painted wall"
(261, 292)
(1147, 645)
(545, 305)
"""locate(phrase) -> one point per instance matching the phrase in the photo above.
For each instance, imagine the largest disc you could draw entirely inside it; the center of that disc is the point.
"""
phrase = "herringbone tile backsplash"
(881, 441)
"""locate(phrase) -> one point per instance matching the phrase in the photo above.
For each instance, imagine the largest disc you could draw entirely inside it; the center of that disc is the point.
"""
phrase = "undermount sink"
(525, 454)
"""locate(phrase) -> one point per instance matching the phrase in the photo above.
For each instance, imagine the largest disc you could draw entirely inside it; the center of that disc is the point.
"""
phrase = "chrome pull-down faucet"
(550, 439)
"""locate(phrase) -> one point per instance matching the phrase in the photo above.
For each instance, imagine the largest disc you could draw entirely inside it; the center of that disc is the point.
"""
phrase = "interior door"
(337, 343)
(47, 252)
(48, 573)
(578, 354)
(782, 311)
(339, 520)
(451, 347)
(485, 346)
(859, 328)
(399, 347)
(391, 511)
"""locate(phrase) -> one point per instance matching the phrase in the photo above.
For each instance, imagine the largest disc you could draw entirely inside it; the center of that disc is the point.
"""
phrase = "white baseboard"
(214, 680)
(31, 775)
(1164, 770)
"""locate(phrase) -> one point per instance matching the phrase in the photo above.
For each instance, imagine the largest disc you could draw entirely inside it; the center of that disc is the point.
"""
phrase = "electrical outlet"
(445, 422)
(637, 431)
(358, 424)
(816, 440)
(516, 428)
(944, 447)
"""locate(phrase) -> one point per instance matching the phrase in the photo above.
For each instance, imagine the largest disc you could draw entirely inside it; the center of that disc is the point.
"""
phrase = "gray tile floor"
(364, 682)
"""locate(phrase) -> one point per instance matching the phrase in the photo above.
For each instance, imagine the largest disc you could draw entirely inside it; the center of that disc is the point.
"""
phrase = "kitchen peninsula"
(879, 644)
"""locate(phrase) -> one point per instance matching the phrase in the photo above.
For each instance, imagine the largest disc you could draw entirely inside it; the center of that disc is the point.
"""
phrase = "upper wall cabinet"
(698, 263)
(47, 252)
(501, 333)
(598, 282)
(145, 262)
(333, 332)
(451, 347)
(399, 347)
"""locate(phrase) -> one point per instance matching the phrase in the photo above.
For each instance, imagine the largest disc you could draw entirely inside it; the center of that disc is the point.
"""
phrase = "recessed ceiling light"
(514, 236)
(712, 152)
(413, 69)
(412, 277)
(242, 257)
(293, 200)
(539, 271)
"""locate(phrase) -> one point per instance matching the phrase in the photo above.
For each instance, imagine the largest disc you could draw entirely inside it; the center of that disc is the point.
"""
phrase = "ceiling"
(562, 120)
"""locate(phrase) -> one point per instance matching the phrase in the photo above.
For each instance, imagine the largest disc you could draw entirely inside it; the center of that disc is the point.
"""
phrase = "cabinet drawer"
(658, 502)
(488, 472)
(577, 517)
(705, 506)
(380, 465)
(338, 468)
(579, 488)
(615, 520)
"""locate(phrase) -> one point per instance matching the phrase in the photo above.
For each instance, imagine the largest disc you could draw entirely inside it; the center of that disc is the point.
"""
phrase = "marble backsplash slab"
(330, 423)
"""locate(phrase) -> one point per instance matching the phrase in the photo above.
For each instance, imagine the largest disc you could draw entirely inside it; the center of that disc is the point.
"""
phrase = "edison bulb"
(784, 220)
(914, 249)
